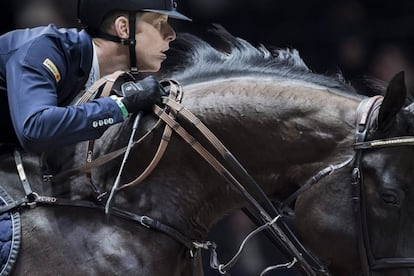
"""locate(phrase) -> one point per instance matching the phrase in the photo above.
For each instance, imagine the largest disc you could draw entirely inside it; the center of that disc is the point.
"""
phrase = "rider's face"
(153, 36)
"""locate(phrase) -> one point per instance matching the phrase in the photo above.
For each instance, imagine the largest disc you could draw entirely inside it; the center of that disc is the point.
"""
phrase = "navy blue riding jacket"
(41, 71)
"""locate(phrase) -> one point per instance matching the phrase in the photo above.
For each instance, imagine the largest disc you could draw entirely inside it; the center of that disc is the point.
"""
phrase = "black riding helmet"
(91, 14)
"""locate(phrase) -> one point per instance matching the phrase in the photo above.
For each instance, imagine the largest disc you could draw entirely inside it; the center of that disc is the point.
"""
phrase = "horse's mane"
(193, 59)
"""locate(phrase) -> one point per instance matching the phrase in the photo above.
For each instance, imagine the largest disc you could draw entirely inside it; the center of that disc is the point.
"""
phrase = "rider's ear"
(121, 27)
(393, 101)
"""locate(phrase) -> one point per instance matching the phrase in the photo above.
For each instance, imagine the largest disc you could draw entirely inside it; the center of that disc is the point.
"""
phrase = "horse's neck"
(267, 117)
(281, 133)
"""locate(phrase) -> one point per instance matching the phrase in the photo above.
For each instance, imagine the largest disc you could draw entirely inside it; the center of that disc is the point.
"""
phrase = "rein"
(265, 212)
(33, 199)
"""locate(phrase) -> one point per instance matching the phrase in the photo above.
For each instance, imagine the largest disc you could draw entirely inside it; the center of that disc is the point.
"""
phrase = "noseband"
(366, 115)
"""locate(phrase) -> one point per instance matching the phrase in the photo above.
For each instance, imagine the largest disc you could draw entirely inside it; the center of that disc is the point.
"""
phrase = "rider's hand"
(141, 95)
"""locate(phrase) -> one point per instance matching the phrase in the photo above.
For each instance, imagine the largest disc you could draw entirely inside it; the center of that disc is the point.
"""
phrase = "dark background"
(358, 38)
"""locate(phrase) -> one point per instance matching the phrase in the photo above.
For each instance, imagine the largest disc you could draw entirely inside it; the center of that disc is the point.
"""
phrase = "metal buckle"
(143, 223)
(101, 196)
(32, 199)
(356, 174)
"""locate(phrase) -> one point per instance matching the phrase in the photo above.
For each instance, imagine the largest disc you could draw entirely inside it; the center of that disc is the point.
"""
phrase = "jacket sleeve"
(33, 75)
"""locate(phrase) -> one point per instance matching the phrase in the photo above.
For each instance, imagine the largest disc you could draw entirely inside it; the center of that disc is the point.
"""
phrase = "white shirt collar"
(94, 74)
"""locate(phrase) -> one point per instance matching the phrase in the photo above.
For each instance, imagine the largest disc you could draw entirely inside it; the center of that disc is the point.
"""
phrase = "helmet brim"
(172, 14)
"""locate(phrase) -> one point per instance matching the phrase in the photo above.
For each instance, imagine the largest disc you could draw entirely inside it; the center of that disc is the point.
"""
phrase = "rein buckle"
(143, 223)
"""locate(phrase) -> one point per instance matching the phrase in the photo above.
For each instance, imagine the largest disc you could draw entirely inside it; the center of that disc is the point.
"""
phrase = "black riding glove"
(141, 95)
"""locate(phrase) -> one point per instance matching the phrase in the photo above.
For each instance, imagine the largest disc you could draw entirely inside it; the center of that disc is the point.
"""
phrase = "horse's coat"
(283, 122)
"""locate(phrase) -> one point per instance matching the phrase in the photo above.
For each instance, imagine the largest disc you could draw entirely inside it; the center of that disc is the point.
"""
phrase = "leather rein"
(266, 215)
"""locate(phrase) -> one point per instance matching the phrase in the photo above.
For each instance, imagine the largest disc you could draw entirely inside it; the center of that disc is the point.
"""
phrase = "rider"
(43, 69)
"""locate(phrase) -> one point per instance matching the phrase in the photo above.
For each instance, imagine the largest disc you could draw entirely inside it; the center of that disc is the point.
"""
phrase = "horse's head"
(366, 210)
(388, 176)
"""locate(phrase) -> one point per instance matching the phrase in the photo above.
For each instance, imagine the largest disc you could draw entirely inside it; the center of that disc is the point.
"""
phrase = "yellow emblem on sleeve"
(52, 68)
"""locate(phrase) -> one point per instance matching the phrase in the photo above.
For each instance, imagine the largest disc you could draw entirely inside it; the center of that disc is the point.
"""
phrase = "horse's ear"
(393, 101)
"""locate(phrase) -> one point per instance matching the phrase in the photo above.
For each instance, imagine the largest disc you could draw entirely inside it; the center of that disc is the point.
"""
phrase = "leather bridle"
(266, 214)
(366, 116)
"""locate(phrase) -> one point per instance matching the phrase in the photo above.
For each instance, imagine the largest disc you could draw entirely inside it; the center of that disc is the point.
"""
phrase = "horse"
(281, 121)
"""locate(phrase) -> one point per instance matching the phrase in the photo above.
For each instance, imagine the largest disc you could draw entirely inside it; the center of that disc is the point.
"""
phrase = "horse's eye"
(389, 198)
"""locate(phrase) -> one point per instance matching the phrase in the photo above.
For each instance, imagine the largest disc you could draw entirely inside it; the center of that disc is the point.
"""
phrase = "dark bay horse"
(283, 123)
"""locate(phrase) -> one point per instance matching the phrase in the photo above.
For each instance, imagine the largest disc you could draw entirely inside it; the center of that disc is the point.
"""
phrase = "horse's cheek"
(322, 215)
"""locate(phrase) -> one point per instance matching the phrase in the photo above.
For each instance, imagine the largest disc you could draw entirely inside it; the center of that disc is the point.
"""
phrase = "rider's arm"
(33, 88)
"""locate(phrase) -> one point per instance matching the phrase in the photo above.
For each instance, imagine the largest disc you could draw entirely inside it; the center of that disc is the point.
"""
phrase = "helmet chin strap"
(131, 41)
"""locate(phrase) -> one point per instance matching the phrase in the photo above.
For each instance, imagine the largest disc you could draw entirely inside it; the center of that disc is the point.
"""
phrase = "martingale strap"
(101, 88)
(265, 211)
(32, 200)
(176, 93)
